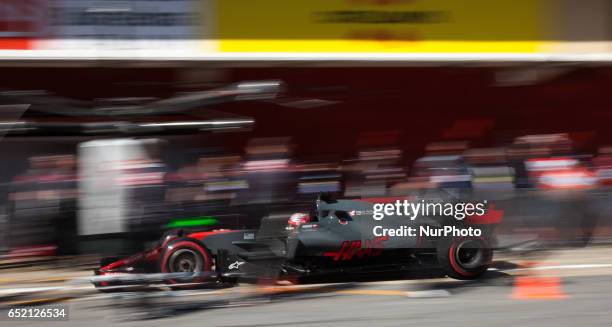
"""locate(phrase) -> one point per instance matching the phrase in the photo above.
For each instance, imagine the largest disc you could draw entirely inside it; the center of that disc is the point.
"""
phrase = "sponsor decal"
(308, 227)
(377, 26)
(236, 265)
(361, 212)
(353, 249)
(103, 27)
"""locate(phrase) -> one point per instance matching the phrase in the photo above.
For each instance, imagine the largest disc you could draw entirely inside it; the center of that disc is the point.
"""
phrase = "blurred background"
(106, 160)
(120, 120)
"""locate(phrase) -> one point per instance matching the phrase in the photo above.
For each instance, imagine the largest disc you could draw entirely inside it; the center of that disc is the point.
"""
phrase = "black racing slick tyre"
(464, 258)
(185, 255)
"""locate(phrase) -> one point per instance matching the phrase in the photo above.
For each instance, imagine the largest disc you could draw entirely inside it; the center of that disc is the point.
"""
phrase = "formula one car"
(337, 236)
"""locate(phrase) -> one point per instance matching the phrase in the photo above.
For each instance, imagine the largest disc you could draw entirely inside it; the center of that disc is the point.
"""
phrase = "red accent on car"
(491, 216)
(187, 244)
(351, 249)
(147, 256)
(456, 267)
(337, 254)
(112, 266)
(202, 235)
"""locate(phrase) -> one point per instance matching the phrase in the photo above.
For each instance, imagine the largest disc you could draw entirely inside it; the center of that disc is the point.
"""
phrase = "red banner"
(20, 23)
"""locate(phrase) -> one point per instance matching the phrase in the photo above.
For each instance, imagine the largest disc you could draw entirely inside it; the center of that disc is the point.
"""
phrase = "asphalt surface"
(561, 288)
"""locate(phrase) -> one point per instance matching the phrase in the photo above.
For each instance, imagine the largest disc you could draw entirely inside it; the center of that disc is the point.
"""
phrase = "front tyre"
(185, 255)
(464, 258)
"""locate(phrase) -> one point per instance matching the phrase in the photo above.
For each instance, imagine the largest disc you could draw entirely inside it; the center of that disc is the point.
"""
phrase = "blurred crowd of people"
(238, 189)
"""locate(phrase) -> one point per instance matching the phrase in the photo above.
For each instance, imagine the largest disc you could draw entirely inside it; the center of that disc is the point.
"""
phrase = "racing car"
(335, 236)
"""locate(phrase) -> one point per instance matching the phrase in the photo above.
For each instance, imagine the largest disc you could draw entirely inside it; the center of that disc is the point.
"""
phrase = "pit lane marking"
(36, 280)
(21, 290)
(37, 301)
(562, 267)
(291, 289)
(310, 288)
(371, 292)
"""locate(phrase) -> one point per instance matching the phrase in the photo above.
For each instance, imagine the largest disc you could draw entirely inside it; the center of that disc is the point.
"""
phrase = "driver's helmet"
(298, 219)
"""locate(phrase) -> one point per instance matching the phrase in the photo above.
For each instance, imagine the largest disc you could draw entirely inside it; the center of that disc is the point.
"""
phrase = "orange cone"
(537, 288)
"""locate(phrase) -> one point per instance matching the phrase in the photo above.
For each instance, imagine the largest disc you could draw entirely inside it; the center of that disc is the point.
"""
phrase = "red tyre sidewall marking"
(191, 245)
(454, 264)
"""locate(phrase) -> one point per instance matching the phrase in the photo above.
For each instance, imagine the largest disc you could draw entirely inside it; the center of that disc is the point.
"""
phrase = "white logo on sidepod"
(236, 265)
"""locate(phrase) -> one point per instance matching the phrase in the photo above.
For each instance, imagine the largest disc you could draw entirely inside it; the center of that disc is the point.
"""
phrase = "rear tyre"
(464, 258)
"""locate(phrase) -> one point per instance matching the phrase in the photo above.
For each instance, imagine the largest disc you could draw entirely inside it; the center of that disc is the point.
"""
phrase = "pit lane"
(584, 275)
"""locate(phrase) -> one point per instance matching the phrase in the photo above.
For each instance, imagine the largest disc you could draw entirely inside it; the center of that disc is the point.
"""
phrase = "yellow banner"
(395, 26)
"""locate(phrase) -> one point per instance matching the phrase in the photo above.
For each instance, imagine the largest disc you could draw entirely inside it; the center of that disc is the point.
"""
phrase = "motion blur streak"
(225, 162)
